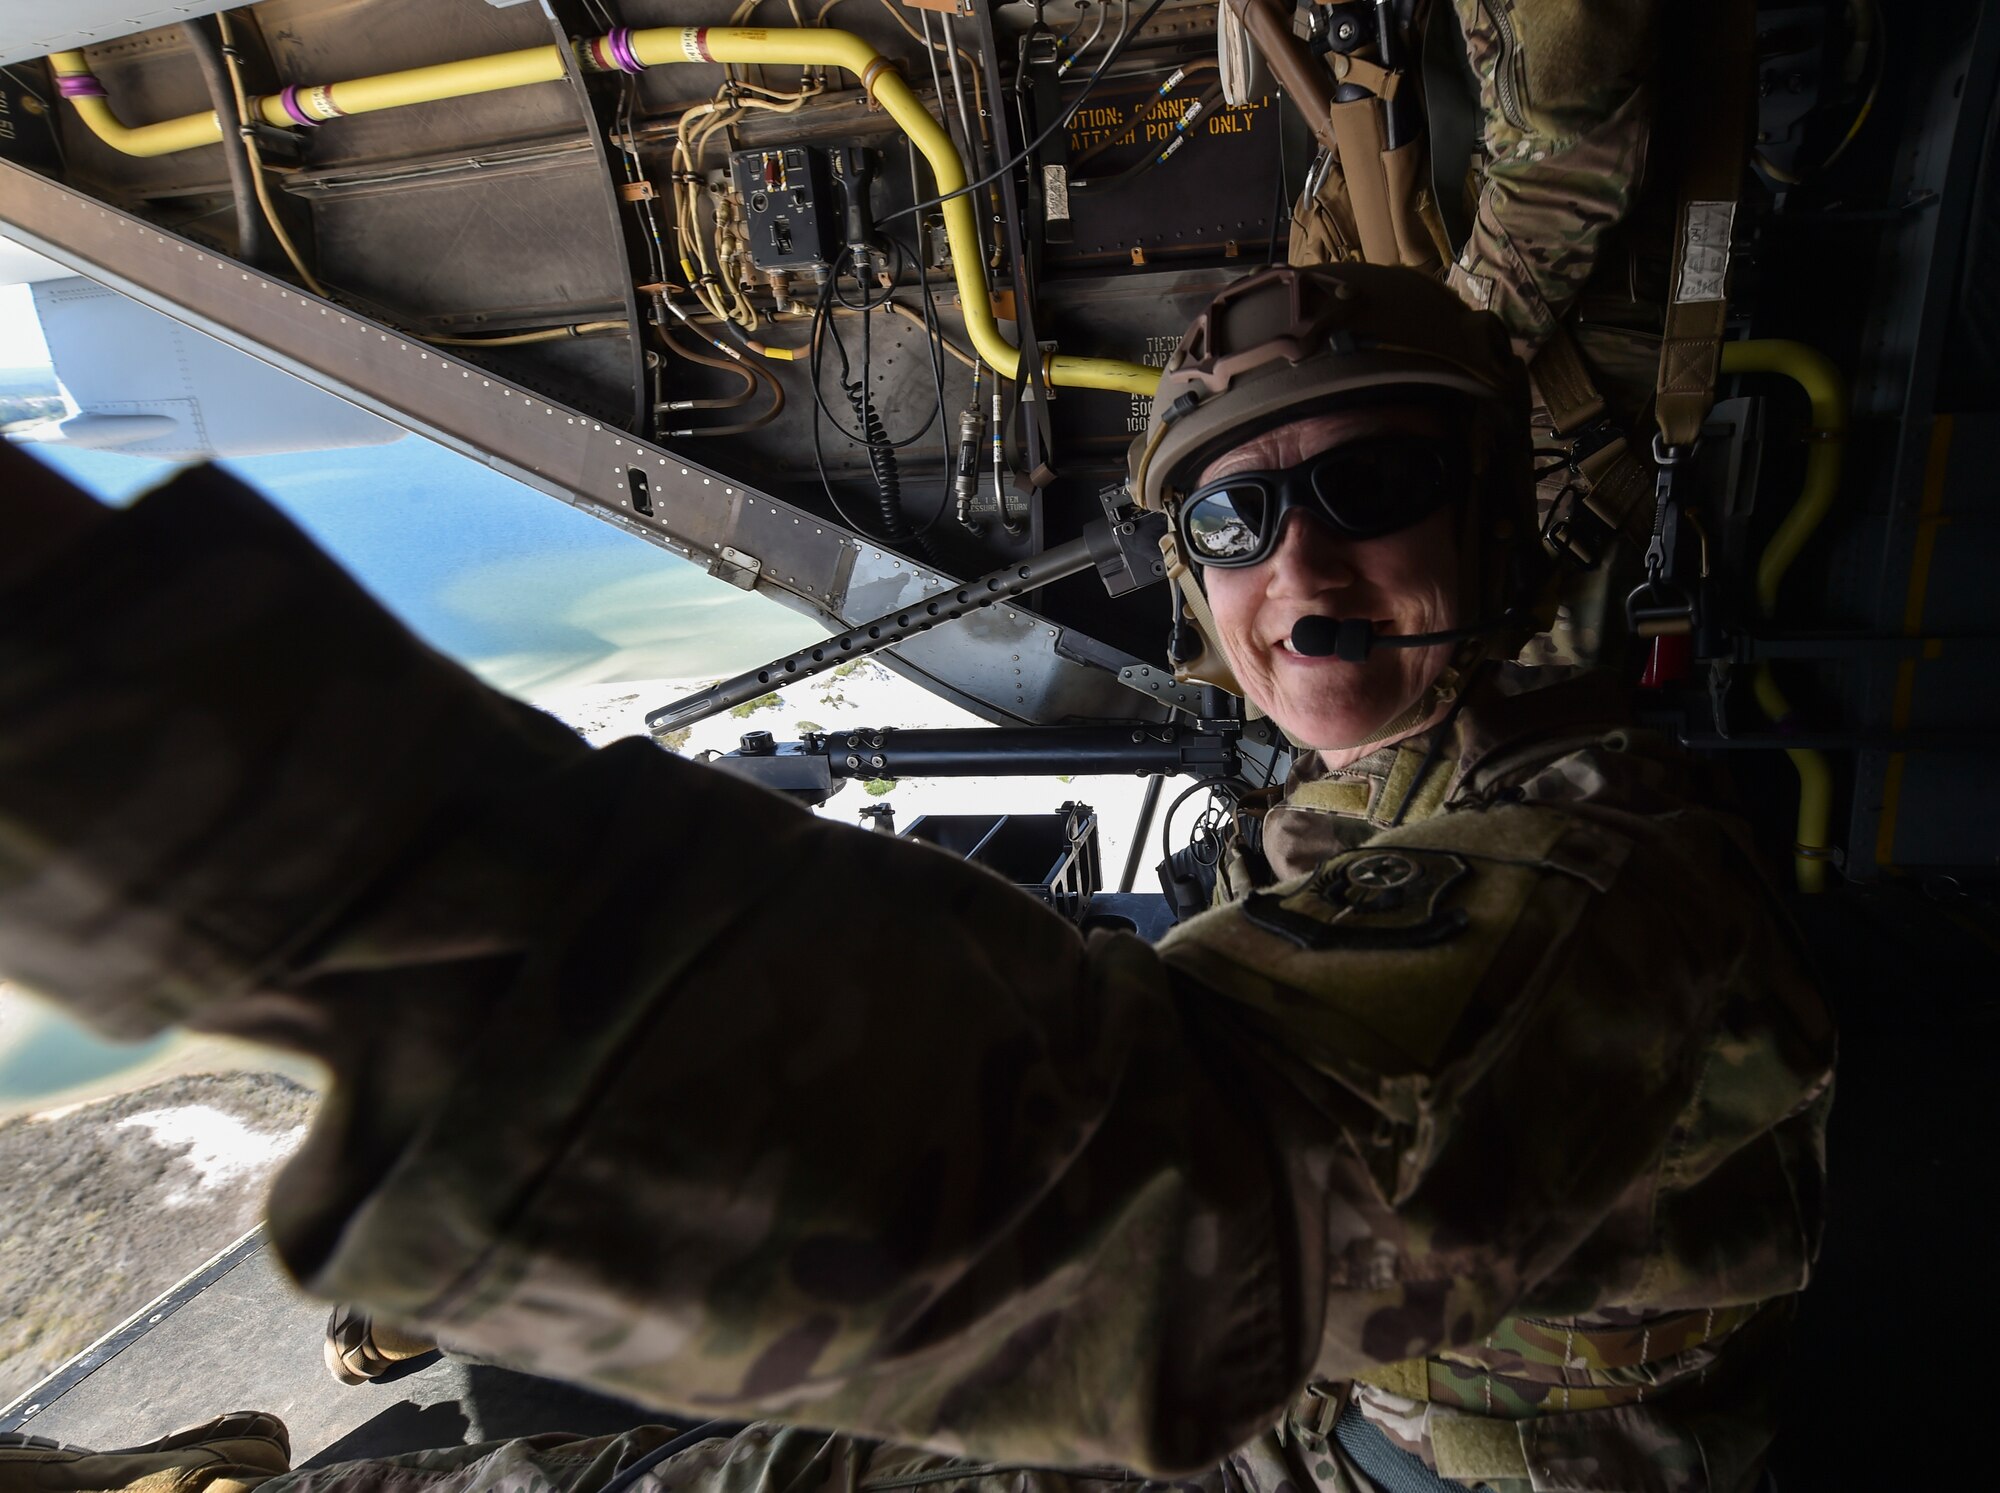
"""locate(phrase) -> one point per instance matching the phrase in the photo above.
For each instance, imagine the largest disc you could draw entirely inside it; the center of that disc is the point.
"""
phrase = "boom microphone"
(1352, 639)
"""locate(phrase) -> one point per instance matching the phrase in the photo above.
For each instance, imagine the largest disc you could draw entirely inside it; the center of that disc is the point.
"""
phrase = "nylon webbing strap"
(1712, 118)
(1564, 384)
(1386, 1465)
(1358, 126)
(1408, 1377)
(1615, 479)
(1213, 665)
(1469, 1450)
(1473, 1449)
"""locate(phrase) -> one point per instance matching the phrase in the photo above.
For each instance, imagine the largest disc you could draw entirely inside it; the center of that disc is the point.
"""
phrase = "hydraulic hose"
(539, 334)
(735, 369)
(632, 51)
(252, 242)
(1813, 373)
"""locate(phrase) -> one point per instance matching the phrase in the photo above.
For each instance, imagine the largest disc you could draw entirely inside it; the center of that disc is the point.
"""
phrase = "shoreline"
(25, 1017)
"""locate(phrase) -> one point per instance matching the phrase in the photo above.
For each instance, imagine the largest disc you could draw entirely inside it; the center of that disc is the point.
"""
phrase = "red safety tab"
(1667, 661)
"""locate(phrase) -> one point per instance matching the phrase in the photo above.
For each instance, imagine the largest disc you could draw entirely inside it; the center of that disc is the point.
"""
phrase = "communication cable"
(867, 439)
(1198, 111)
(1281, 199)
(1220, 786)
(1061, 121)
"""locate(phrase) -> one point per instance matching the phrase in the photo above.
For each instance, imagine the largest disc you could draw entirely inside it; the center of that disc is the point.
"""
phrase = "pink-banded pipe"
(289, 102)
(620, 44)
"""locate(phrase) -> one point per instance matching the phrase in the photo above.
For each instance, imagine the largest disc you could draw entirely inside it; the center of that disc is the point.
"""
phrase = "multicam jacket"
(1565, 95)
(1667, 1370)
(641, 1076)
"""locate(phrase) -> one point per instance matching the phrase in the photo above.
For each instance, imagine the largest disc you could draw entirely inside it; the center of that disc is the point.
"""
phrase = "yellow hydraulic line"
(420, 85)
(802, 47)
(1812, 372)
(161, 139)
(417, 85)
(1815, 789)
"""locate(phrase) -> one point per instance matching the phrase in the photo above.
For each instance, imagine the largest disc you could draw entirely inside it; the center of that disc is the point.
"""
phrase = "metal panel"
(802, 561)
(239, 1332)
(503, 244)
(1912, 301)
(28, 31)
(1938, 809)
(600, 101)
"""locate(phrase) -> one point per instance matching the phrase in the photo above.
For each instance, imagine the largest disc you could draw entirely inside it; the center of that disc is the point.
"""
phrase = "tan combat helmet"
(1286, 343)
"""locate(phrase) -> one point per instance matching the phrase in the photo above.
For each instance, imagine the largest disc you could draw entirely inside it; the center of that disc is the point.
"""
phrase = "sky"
(21, 344)
(534, 595)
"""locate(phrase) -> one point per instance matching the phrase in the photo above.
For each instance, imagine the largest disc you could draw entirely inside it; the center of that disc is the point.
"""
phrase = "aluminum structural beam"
(597, 102)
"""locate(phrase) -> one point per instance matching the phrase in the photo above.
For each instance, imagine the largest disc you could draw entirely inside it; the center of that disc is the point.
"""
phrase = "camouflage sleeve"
(644, 1077)
(1565, 93)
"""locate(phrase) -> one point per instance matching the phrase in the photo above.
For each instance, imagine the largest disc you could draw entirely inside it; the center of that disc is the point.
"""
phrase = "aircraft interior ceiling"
(714, 282)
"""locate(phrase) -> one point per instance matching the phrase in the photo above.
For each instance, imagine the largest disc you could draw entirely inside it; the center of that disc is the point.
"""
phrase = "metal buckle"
(1655, 608)
(1573, 533)
(1660, 547)
(1592, 439)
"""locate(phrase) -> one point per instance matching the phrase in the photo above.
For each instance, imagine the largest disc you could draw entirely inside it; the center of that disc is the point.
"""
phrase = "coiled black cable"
(881, 461)
(873, 435)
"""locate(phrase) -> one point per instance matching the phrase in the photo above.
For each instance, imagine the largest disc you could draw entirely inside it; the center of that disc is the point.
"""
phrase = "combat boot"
(358, 1348)
(229, 1454)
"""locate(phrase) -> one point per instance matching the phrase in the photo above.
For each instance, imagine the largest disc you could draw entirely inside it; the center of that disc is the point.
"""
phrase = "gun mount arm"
(814, 768)
(1117, 551)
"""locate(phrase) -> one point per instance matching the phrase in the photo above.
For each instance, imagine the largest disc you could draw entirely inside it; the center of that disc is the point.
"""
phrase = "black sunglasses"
(1364, 489)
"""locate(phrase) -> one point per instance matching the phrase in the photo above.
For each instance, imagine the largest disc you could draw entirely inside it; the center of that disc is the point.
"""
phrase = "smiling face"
(1406, 582)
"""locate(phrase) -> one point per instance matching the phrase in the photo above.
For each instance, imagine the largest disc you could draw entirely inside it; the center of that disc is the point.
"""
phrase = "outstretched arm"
(646, 1077)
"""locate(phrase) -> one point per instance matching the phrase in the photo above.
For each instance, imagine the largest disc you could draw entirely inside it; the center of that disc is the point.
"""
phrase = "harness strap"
(1564, 385)
(1614, 479)
(1357, 124)
(1596, 1366)
(1212, 667)
(1713, 122)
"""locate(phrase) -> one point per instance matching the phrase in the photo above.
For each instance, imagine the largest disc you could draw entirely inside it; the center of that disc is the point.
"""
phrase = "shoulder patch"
(1369, 898)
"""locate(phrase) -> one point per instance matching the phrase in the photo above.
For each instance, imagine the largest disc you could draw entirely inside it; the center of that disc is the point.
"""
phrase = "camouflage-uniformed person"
(1566, 217)
(1565, 113)
(1494, 1115)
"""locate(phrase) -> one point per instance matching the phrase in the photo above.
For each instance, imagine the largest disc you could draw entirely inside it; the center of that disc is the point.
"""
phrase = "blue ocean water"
(51, 1053)
(529, 592)
(524, 588)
